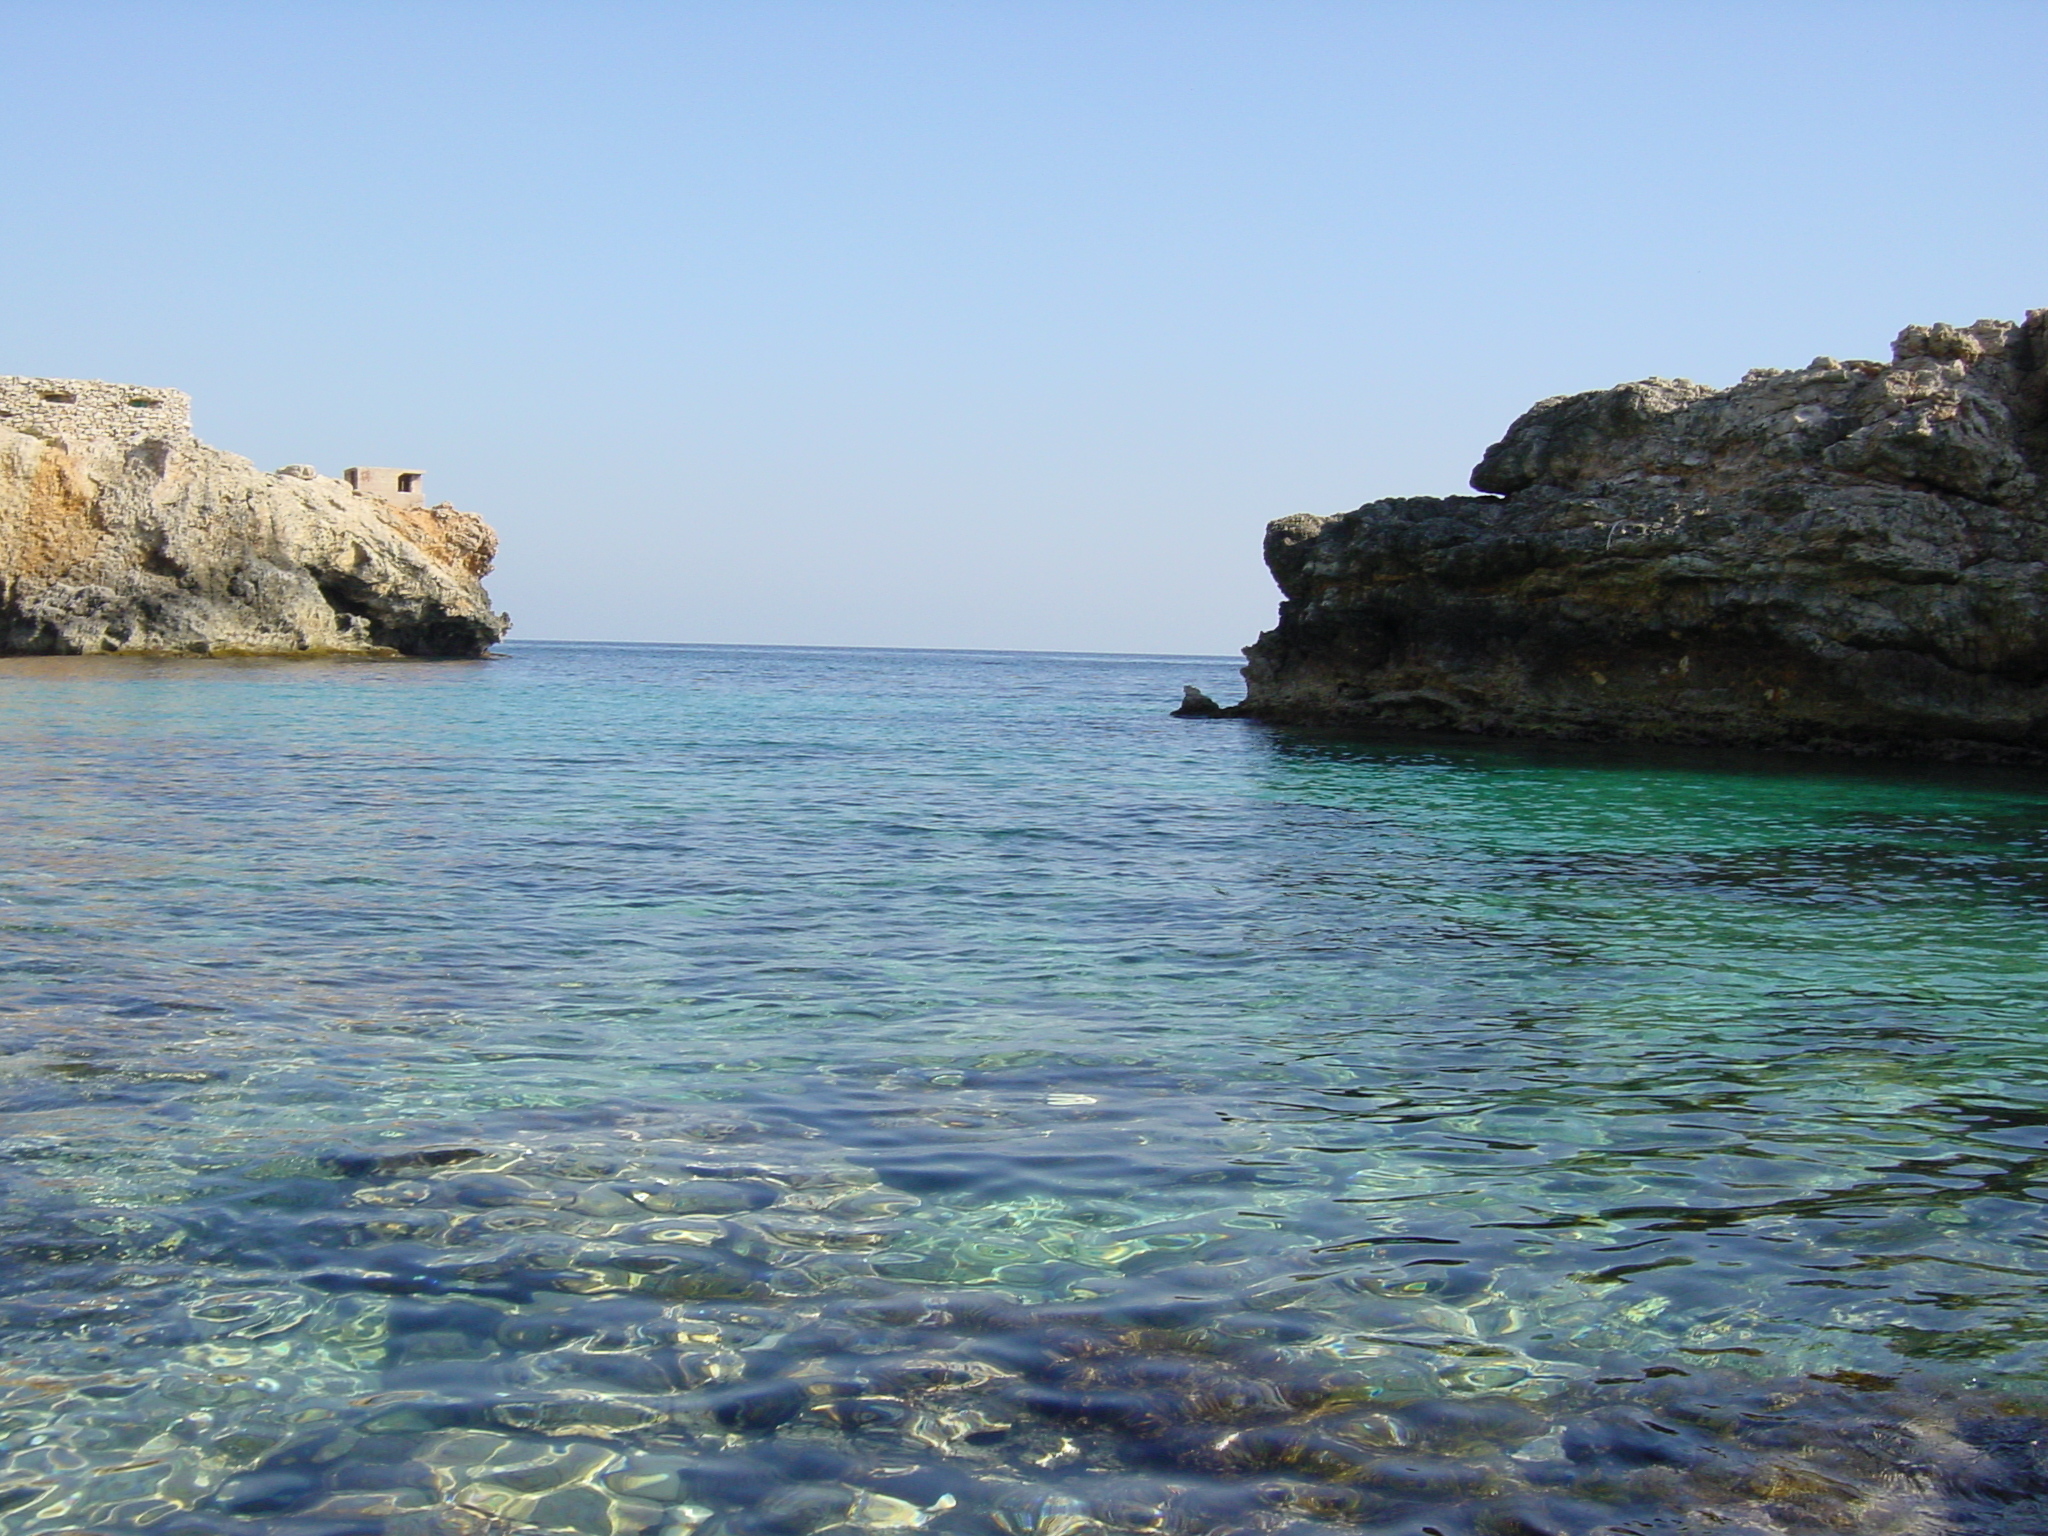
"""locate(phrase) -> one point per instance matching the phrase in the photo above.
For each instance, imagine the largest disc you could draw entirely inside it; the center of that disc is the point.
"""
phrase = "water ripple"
(761, 1092)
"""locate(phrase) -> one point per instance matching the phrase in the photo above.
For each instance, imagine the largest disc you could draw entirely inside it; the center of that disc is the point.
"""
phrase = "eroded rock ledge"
(120, 531)
(1850, 556)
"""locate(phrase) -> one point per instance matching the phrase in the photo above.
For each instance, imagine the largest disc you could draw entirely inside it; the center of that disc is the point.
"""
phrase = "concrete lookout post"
(401, 486)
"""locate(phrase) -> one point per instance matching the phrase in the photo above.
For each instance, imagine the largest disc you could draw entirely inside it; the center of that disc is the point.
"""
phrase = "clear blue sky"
(989, 323)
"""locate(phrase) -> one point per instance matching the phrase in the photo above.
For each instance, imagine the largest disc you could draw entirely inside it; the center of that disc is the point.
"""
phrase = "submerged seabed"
(765, 1092)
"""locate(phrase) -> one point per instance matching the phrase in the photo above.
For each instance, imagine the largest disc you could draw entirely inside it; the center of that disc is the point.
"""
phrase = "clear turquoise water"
(573, 1090)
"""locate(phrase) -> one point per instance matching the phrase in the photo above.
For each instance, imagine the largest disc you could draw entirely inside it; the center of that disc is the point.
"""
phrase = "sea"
(763, 1091)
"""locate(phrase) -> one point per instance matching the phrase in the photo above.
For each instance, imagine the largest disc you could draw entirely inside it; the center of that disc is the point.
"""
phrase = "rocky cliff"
(120, 531)
(1850, 556)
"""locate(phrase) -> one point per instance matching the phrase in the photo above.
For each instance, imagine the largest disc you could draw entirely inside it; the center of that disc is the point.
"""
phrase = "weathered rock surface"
(120, 531)
(1850, 556)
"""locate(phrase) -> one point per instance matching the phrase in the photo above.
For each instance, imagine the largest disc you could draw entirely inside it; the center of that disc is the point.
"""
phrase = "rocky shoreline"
(121, 532)
(1848, 557)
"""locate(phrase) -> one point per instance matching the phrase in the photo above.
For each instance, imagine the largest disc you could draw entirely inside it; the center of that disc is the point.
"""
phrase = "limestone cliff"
(120, 531)
(1850, 556)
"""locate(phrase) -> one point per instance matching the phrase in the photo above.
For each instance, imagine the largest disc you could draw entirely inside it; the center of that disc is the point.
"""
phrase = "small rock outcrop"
(1197, 705)
(1850, 556)
(120, 531)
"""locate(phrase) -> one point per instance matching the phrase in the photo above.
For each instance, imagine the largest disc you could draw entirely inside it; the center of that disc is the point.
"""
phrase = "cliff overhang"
(1850, 556)
(121, 532)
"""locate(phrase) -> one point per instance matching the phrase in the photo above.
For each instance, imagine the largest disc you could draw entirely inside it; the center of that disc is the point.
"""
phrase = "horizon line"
(915, 650)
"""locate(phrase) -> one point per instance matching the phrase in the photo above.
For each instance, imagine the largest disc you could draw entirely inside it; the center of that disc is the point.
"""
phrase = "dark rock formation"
(120, 531)
(1842, 557)
(1197, 705)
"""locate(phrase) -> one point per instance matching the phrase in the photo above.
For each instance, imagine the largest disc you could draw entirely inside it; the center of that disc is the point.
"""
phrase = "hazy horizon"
(1002, 327)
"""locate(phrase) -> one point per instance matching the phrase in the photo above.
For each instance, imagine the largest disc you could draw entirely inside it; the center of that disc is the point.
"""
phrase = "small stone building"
(399, 485)
(91, 410)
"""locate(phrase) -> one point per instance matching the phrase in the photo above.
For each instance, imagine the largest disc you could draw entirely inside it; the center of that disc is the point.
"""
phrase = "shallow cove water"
(763, 1091)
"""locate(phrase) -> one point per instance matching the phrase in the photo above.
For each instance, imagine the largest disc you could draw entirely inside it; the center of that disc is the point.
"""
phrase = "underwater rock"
(1849, 556)
(121, 531)
(529, 1365)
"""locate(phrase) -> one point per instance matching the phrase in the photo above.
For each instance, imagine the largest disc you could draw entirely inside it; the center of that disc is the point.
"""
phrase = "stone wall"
(79, 411)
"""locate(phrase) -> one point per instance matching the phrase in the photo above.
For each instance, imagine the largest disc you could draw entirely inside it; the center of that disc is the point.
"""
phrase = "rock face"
(120, 531)
(1842, 557)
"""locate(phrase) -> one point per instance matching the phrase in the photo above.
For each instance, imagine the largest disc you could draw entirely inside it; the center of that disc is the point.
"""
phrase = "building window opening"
(408, 483)
(143, 402)
(60, 397)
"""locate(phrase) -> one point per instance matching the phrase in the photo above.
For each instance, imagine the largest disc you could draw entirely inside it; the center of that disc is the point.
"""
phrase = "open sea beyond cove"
(758, 1092)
